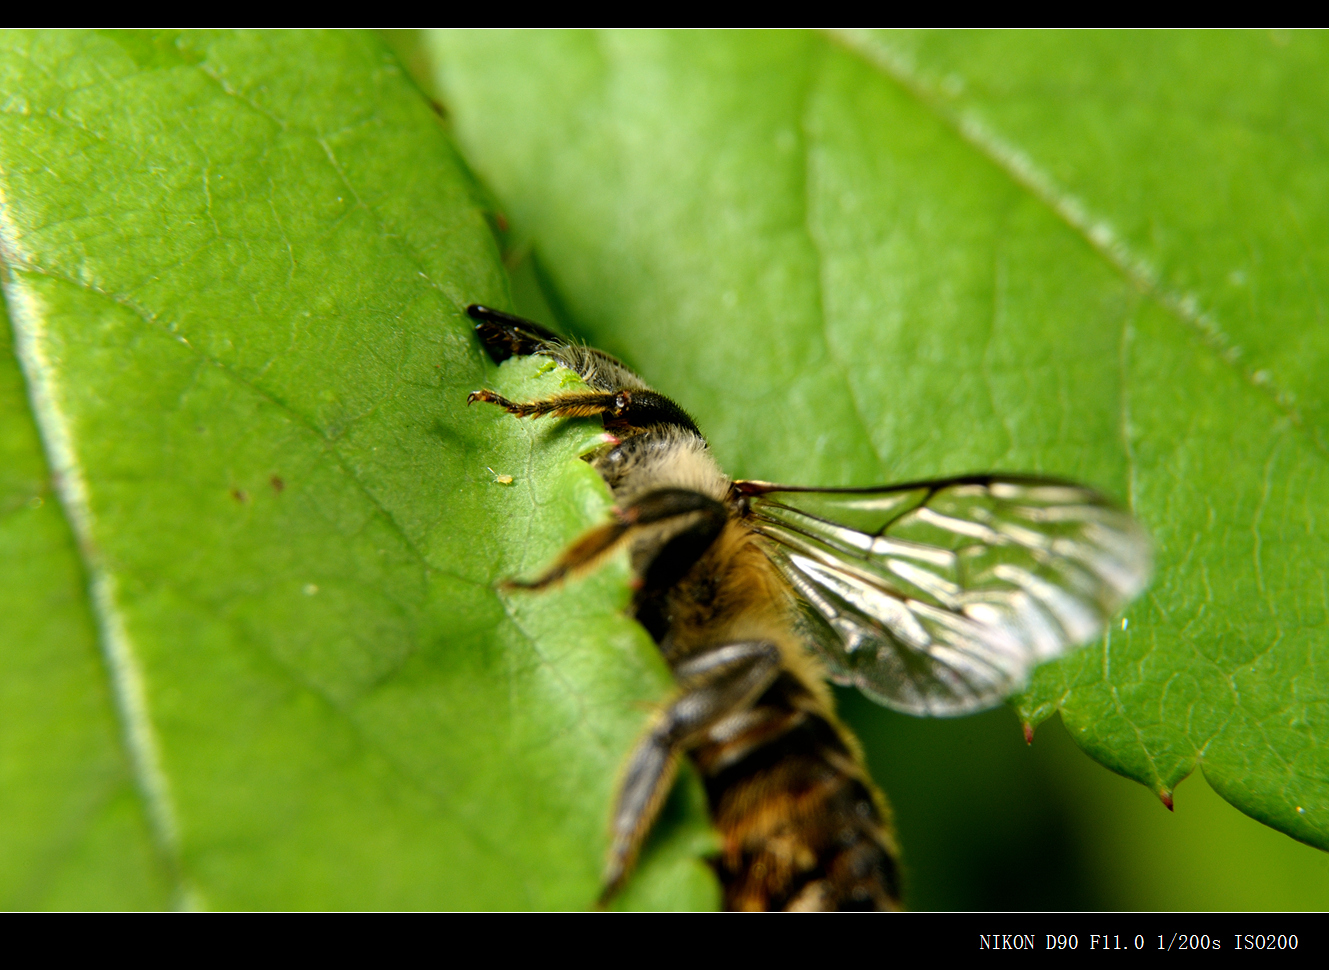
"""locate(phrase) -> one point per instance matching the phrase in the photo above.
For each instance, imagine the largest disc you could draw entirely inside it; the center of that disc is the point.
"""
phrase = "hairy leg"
(714, 685)
(617, 394)
(619, 408)
(586, 404)
(651, 509)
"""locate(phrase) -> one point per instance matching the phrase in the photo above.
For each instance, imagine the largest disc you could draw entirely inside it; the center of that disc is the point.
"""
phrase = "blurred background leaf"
(873, 257)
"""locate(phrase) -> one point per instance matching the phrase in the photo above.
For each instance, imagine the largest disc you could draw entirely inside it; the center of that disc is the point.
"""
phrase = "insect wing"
(941, 597)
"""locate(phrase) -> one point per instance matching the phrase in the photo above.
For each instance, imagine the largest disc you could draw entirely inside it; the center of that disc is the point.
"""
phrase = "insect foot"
(489, 397)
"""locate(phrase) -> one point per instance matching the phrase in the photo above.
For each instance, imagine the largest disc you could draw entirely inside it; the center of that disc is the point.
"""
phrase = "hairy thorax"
(661, 457)
(733, 593)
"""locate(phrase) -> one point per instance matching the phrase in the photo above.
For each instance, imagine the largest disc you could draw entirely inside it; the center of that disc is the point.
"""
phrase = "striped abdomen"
(802, 825)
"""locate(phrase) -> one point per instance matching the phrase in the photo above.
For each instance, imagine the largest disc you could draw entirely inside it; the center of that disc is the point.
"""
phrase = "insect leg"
(505, 335)
(585, 404)
(620, 409)
(715, 684)
(651, 509)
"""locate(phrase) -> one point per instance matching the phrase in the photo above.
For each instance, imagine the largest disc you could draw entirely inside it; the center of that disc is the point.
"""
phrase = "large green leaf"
(879, 257)
(237, 267)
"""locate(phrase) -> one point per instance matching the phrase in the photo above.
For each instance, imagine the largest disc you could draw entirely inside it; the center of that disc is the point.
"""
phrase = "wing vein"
(941, 597)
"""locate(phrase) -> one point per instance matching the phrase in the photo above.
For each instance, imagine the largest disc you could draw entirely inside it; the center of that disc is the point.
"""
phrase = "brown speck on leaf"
(240, 495)
(277, 483)
(502, 221)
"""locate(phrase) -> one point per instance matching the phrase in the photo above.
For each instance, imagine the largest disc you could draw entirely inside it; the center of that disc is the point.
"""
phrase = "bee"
(931, 597)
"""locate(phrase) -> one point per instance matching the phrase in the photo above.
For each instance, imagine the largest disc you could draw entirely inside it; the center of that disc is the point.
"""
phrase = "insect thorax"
(663, 456)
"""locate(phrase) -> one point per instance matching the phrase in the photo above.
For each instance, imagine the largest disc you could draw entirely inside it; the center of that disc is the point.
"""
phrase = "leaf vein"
(807, 154)
(329, 440)
(1096, 232)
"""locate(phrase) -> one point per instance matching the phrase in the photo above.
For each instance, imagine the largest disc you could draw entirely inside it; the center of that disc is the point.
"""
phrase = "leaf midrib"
(807, 144)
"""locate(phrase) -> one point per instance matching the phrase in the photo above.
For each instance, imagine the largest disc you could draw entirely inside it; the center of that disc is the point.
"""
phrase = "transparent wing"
(941, 597)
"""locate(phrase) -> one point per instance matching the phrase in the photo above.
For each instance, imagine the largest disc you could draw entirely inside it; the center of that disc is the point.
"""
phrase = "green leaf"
(76, 835)
(237, 267)
(876, 257)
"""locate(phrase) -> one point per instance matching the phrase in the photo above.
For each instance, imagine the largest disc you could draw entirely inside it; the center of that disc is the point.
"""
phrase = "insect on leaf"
(874, 257)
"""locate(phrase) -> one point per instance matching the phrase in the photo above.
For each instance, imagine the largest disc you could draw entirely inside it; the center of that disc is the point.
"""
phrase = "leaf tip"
(1165, 795)
(1028, 733)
